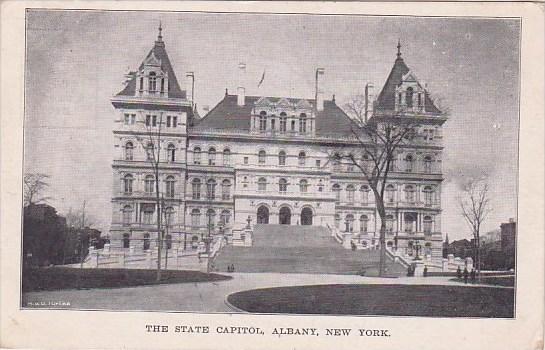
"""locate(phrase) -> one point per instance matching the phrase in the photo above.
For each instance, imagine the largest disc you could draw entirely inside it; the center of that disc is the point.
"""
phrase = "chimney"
(369, 98)
(241, 91)
(320, 100)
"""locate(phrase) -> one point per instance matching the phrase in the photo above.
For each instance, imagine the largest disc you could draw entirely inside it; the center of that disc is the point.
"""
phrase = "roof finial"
(160, 36)
(398, 48)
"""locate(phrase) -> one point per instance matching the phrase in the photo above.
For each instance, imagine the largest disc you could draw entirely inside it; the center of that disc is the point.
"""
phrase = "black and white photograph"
(344, 165)
(271, 164)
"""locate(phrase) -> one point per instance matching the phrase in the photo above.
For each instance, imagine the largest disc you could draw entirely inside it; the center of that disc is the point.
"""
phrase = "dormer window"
(152, 83)
(162, 85)
(409, 97)
(141, 84)
(303, 123)
(262, 121)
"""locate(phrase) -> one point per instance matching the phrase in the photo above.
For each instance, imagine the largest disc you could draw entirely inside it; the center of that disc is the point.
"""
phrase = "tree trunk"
(382, 235)
(159, 233)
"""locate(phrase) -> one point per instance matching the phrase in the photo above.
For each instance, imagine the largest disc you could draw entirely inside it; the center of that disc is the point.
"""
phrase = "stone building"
(268, 160)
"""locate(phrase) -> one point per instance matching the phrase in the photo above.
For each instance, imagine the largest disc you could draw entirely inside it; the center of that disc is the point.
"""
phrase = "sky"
(76, 61)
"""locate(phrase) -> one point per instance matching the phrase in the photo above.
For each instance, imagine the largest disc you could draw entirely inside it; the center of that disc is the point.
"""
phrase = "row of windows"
(147, 214)
(210, 218)
(150, 151)
(283, 122)
(390, 222)
(146, 241)
(152, 83)
(197, 158)
(410, 193)
(149, 184)
(151, 120)
(196, 186)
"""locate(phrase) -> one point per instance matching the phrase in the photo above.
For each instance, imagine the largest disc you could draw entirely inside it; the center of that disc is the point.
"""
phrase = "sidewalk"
(208, 296)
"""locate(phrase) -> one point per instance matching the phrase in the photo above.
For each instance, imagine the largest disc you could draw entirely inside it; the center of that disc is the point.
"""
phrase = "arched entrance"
(284, 216)
(306, 216)
(262, 215)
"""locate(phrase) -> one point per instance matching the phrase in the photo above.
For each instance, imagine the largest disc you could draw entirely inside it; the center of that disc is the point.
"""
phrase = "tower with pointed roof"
(151, 113)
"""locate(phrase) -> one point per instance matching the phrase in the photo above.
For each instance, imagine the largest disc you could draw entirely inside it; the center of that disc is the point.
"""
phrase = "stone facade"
(267, 159)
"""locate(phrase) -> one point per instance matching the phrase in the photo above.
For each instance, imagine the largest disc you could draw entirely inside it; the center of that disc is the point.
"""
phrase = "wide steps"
(299, 249)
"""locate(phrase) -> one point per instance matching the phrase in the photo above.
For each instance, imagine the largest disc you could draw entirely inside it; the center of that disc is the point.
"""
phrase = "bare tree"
(34, 186)
(475, 207)
(152, 145)
(377, 142)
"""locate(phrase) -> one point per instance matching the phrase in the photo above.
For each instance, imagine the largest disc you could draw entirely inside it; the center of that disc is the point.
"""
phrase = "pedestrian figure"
(459, 273)
(473, 275)
(466, 274)
(232, 267)
(228, 268)
(425, 271)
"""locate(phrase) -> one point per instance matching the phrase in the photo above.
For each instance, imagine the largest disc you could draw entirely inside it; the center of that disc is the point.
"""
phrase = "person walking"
(466, 274)
(472, 275)
(459, 273)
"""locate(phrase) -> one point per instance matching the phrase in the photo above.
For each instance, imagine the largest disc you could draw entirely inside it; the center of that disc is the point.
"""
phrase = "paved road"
(203, 297)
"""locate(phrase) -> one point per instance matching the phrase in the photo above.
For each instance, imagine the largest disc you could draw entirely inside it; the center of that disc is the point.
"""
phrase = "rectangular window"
(273, 124)
(133, 119)
(168, 121)
(245, 160)
(154, 120)
(127, 118)
(283, 123)
(293, 125)
(148, 120)
(317, 163)
(174, 121)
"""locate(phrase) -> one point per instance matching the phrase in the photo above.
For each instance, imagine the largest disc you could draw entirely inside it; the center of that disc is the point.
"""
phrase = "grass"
(59, 278)
(389, 300)
(505, 281)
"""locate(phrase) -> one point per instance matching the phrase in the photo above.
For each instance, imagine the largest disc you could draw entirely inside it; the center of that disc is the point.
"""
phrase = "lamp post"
(417, 250)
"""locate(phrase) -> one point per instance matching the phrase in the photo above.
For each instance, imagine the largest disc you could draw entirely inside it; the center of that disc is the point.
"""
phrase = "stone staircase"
(300, 249)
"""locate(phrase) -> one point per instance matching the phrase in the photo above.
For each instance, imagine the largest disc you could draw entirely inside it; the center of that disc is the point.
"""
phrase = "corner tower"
(150, 135)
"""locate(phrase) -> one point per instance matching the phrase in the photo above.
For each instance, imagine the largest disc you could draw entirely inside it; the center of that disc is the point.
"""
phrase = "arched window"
(127, 183)
(148, 214)
(129, 148)
(126, 240)
(364, 194)
(282, 185)
(169, 215)
(350, 190)
(303, 185)
(211, 218)
(364, 223)
(283, 122)
(225, 189)
(409, 97)
(427, 164)
(149, 184)
(302, 158)
(127, 214)
(262, 121)
(152, 82)
(261, 156)
(389, 223)
(211, 189)
(366, 163)
(150, 151)
(170, 184)
(337, 220)
(409, 193)
(302, 123)
(428, 222)
(390, 193)
(226, 156)
(195, 218)
(428, 195)
(320, 186)
(349, 223)
(171, 152)
(146, 243)
(409, 222)
(392, 163)
(211, 156)
(225, 217)
(281, 158)
(409, 163)
(262, 184)
(196, 188)
(336, 188)
(197, 155)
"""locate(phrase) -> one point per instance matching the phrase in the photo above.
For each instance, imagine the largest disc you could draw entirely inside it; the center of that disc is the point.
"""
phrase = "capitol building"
(267, 160)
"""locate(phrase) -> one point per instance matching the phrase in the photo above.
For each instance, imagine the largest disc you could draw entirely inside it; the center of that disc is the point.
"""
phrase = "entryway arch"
(262, 215)
(284, 216)
(306, 216)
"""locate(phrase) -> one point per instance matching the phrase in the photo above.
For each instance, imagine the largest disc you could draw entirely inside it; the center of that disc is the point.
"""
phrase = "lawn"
(390, 300)
(58, 278)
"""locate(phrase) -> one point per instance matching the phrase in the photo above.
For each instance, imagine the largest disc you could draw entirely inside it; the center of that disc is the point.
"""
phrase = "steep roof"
(227, 114)
(160, 53)
(386, 98)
